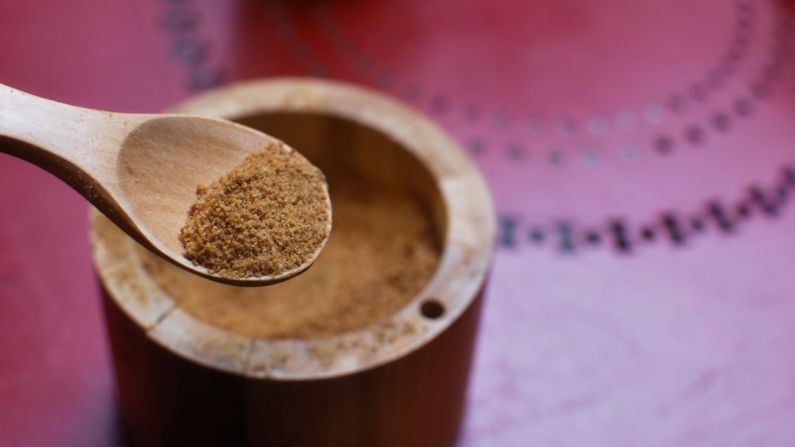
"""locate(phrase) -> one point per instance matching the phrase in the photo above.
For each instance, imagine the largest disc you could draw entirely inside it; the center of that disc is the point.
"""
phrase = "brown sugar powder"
(381, 253)
(268, 216)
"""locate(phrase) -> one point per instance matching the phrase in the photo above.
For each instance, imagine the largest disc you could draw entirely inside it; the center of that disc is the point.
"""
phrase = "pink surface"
(641, 159)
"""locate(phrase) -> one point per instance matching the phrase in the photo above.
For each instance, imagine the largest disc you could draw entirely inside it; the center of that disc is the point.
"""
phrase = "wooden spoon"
(140, 170)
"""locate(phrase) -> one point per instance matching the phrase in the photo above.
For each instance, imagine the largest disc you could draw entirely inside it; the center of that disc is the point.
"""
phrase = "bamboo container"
(399, 382)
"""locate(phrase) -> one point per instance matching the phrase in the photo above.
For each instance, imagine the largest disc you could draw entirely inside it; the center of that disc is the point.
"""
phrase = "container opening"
(387, 238)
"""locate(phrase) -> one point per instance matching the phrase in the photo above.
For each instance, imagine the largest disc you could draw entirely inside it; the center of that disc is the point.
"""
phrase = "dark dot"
(189, 50)
(760, 90)
(565, 240)
(555, 157)
(203, 78)
(618, 230)
(744, 23)
(475, 146)
(299, 52)
(625, 120)
(781, 52)
(727, 65)
(782, 192)
(663, 144)
(653, 113)
(440, 103)
(743, 210)
(179, 20)
(471, 113)
(676, 103)
(318, 70)
(432, 309)
(515, 150)
(630, 151)
(771, 72)
(592, 237)
(534, 125)
(723, 71)
(789, 176)
(735, 55)
(743, 107)
(717, 212)
(715, 78)
(501, 119)
(411, 92)
(592, 156)
(283, 30)
(537, 235)
(783, 25)
(276, 9)
(694, 135)
(346, 47)
(507, 230)
(721, 121)
(597, 124)
(698, 92)
(740, 41)
(387, 79)
(777, 64)
(647, 234)
(363, 64)
(696, 224)
(567, 126)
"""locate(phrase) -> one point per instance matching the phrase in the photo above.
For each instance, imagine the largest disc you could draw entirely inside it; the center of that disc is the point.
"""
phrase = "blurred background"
(641, 155)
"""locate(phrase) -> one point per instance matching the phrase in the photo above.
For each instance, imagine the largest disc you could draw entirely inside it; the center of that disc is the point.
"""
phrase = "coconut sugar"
(381, 253)
(266, 217)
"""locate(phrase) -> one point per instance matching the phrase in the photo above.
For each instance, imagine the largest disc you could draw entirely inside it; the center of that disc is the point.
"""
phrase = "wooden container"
(397, 382)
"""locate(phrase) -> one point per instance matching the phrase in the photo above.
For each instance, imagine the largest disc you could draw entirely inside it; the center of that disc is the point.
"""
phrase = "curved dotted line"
(675, 228)
(726, 67)
(187, 47)
(597, 124)
(759, 89)
(282, 24)
(625, 120)
(694, 134)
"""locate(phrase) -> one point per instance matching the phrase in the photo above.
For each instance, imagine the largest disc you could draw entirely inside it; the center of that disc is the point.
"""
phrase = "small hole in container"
(432, 309)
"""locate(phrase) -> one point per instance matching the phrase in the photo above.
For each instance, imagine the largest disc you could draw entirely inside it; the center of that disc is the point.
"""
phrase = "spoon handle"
(53, 135)
(77, 145)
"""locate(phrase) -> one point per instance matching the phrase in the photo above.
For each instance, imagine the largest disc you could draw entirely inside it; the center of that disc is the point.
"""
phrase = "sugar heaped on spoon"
(216, 198)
